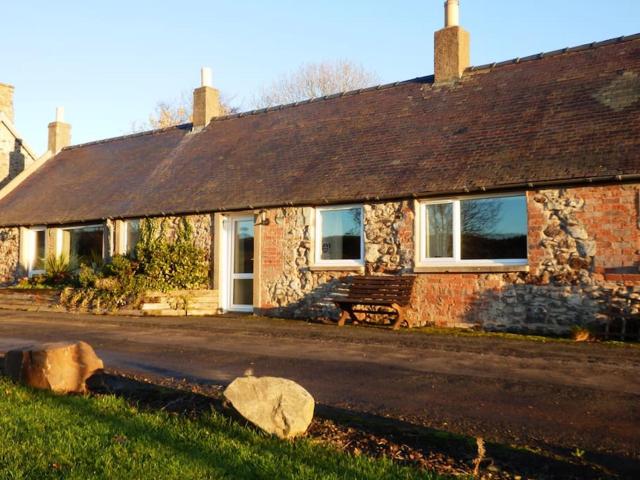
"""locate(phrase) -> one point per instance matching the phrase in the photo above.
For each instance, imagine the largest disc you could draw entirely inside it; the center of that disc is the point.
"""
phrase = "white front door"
(240, 264)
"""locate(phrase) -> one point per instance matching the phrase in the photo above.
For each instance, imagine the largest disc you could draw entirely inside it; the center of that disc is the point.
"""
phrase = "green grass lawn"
(49, 436)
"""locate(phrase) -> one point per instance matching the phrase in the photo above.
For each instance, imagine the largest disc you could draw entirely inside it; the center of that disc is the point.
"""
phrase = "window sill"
(470, 268)
(337, 268)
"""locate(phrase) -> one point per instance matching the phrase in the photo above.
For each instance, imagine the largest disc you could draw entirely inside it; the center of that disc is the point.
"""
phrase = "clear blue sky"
(109, 63)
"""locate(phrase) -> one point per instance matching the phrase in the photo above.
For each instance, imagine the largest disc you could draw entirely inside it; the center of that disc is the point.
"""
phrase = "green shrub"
(59, 271)
(158, 265)
(87, 276)
(168, 265)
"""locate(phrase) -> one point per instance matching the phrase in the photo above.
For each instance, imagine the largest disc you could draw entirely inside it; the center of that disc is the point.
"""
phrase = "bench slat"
(379, 289)
(358, 290)
(368, 302)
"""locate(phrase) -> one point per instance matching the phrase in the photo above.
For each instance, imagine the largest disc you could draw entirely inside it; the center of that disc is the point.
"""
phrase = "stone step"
(155, 306)
(28, 307)
(202, 305)
(20, 301)
(28, 295)
(202, 313)
(164, 313)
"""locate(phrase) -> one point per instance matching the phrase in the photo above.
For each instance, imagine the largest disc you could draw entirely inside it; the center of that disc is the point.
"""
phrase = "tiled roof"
(562, 117)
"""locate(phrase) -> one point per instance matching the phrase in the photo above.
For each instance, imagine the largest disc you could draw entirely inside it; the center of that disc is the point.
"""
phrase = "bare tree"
(175, 112)
(315, 80)
(480, 217)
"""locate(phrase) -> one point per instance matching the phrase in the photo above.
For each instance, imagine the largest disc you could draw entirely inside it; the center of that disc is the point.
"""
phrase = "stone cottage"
(15, 158)
(510, 190)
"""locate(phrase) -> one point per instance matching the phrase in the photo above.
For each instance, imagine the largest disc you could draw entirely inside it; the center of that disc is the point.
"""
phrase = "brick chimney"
(206, 101)
(452, 55)
(59, 133)
(6, 100)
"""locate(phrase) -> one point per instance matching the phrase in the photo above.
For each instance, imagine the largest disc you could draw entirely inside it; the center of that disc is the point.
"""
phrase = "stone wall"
(9, 256)
(578, 240)
(292, 287)
(203, 234)
(202, 231)
(6, 100)
(575, 237)
(13, 156)
(288, 286)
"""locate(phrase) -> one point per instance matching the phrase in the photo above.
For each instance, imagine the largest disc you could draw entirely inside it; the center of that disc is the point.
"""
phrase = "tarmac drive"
(552, 394)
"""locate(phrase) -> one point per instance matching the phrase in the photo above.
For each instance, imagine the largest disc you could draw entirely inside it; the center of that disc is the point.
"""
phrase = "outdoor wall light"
(261, 218)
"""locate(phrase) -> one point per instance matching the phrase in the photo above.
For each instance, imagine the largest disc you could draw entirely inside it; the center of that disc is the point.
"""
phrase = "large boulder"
(61, 367)
(276, 405)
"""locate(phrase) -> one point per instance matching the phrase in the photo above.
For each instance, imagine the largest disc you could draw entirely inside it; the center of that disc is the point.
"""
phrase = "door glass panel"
(40, 250)
(243, 291)
(243, 247)
(133, 236)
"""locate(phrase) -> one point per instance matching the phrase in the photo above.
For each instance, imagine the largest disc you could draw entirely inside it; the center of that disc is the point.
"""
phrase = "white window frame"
(318, 238)
(32, 247)
(456, 260)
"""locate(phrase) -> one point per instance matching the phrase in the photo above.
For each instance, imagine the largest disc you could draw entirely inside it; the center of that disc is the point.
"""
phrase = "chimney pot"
(205, 77)
(452, 46)
(59, 133)
(206, 101)
(452, 13)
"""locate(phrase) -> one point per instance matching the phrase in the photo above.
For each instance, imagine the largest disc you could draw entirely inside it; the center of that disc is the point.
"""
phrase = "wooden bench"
(391, 293)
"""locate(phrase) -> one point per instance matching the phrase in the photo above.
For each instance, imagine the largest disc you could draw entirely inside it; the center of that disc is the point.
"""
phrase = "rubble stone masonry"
(9, 255)
(584, 257)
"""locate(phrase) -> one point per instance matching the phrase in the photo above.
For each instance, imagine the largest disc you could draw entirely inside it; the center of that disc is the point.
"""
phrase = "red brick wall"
(272, 255)
(611, 216)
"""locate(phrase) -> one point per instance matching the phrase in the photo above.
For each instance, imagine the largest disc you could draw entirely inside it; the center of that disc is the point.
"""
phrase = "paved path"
(552, 394)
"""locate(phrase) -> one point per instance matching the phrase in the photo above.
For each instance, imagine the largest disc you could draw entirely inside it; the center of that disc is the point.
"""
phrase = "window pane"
(243, 247)
(439, 238)
(494, 228)
(40, 250)
(133, 235)
(243, 292)
(83, 245)
(341, 234)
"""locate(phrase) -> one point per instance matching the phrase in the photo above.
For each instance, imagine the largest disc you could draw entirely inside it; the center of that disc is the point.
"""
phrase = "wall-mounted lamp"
(262, 219)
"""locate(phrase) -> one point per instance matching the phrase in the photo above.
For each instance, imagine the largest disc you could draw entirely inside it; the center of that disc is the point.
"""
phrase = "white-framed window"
(339, 236)
(486, 230)
(129, 236)
(83, 244)
(36, 250)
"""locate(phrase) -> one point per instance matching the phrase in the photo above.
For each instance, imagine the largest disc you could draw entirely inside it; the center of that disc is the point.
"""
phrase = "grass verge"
(43, 435)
